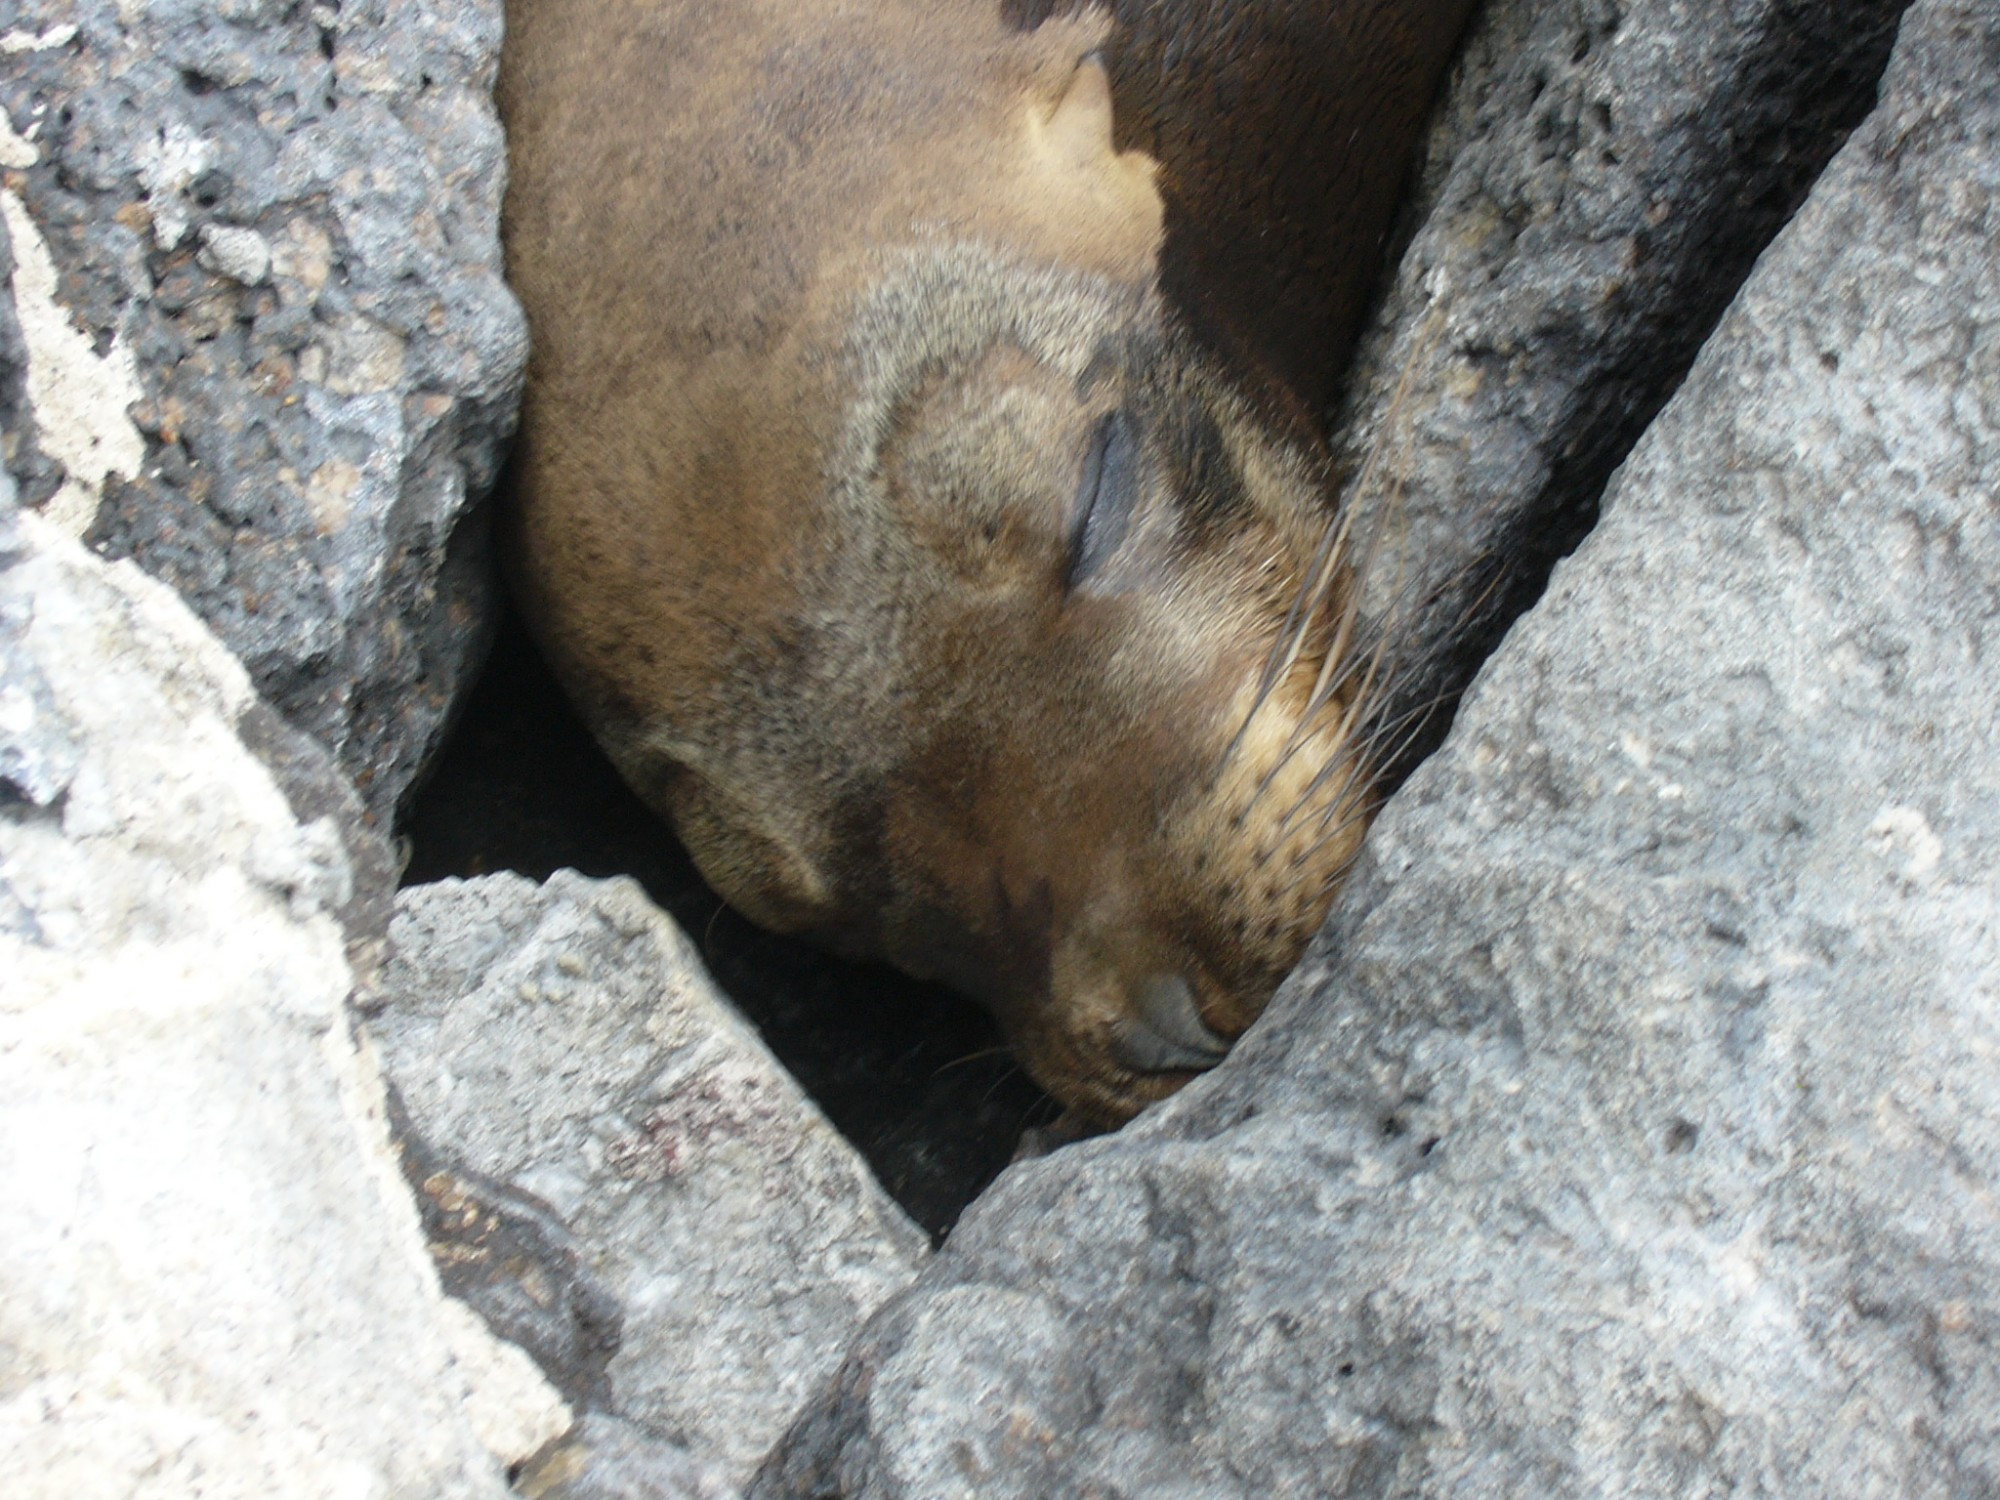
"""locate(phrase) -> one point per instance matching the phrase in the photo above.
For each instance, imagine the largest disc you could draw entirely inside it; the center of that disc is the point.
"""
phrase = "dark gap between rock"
(911, 1073)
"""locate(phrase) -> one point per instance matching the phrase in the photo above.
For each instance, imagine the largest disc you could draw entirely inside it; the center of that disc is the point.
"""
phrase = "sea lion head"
(951, 598)
(1064, 712)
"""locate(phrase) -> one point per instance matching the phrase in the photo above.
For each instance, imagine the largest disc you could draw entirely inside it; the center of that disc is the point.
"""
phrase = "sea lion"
(920, 484)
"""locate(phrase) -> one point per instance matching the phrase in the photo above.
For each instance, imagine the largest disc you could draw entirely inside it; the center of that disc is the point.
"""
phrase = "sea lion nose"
(1166, 1032)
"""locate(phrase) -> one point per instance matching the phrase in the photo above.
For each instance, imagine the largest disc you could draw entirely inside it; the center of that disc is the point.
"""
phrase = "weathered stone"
(564, 1040)
(505, 1254)
(1635, 1128)
(1602, 178)
(258, 275)
(608, 1458)
(211, 1278)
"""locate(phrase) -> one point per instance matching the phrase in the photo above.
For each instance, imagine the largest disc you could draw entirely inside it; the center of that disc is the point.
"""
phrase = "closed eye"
(1106, 493)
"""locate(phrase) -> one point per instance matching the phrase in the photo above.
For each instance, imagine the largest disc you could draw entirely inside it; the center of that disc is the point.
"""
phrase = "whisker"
(708, 933)
(1290, 638)
(1299, 739)
(1406, 675)
(1418, 720)
(1403, 729)
(1041, 1103)
(1337, 665)
(970, 1057)
(1305, 599)
(1342, 733)
(1357, 809)
(1358, 758)
(1341, 871)
(994, 1087)
(1354, 765)
(1393, 675)
(1330, 560)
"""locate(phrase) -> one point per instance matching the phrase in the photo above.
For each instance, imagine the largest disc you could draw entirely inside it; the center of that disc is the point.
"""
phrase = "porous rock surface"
(1602, 176)
(563, 1040)
(211, 1278)
(1635, 1127)
(257, 271)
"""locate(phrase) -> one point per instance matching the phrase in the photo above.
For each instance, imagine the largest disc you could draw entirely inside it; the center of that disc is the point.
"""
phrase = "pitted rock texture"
(1634, 1129)
(564, 1040)
(211, 1278)
(1602, 177)
(258, 274)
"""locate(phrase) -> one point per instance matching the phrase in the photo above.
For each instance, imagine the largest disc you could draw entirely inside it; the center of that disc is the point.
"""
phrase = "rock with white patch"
(564, 1040)
(1635, 1127)
(211, 1277)
(258, 273)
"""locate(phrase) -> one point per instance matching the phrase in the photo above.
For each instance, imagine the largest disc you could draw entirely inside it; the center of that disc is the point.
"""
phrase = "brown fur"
(828, 298)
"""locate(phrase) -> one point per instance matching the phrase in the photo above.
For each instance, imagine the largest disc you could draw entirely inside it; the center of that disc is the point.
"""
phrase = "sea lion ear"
(1080, 128)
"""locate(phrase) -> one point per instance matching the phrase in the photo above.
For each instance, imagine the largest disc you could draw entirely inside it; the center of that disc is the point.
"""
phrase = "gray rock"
(211, 1279)
(259, 282)
(608, 1458)
(1601, 180)
(509, 1257)
(1635, 1128)
(565, 1041)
